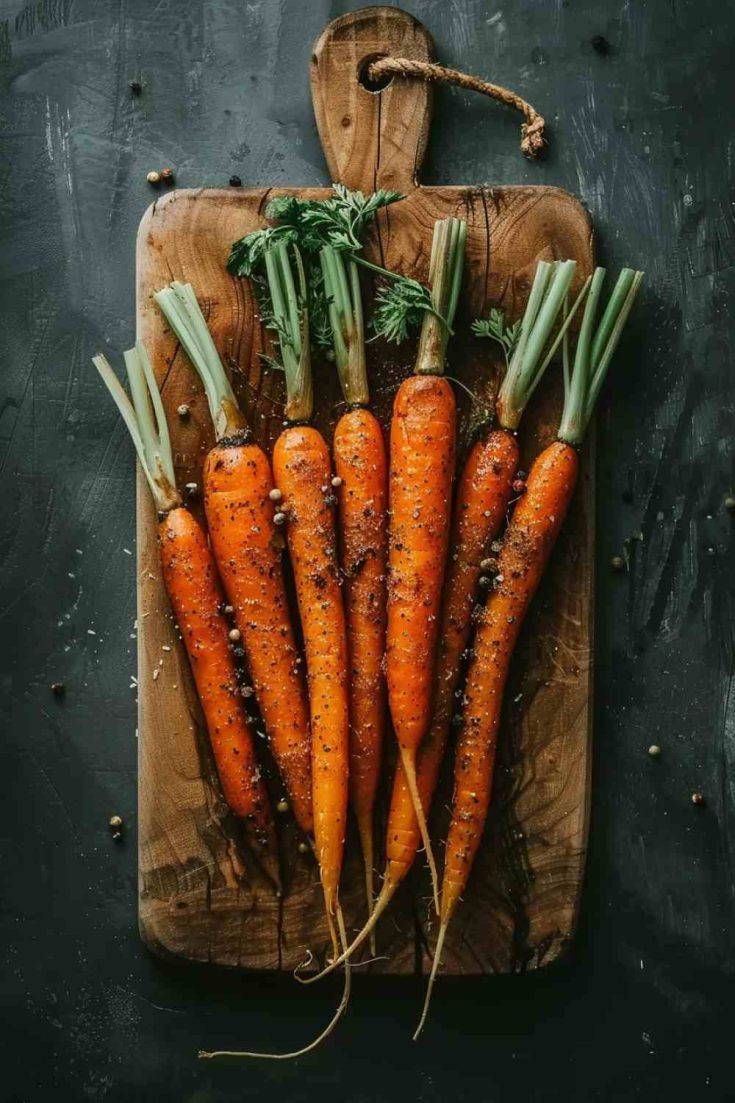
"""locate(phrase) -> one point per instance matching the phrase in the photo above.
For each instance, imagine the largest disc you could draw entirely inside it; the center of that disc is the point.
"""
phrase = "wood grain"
(199, 896)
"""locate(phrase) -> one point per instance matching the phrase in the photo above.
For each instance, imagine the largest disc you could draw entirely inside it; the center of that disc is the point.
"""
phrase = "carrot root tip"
(386, 895)
(409, 769)
(341, 1008)
(432, 978)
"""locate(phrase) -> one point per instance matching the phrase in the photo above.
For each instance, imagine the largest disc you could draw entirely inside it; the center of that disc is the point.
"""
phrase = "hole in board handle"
(373, 86)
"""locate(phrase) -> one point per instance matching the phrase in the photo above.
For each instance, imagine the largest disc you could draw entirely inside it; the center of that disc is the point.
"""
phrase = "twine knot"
(533, 137)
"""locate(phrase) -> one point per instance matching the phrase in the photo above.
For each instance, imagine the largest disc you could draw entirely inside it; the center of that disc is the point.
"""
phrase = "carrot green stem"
(145, 421)
(445, 277)
(181, 309)
(602, 353)
(595, 349)
(527, 365)
(290, 319)
(344, 296)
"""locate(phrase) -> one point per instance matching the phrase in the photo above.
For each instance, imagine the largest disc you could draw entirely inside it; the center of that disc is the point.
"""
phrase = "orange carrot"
(528, 542)
(190, 579)
(360, 464)
(422, 447)
(303, 475)
(239, 501)
(302, 470)
(362, 493)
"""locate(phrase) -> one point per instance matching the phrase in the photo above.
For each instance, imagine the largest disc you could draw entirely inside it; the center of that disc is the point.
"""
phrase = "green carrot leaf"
(400, 307)
(495, 328)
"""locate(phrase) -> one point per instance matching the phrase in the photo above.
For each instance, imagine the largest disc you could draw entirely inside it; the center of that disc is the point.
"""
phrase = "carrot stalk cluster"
(399, 574)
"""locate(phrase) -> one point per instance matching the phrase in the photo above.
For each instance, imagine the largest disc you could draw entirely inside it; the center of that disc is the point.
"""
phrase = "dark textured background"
(642, 1010)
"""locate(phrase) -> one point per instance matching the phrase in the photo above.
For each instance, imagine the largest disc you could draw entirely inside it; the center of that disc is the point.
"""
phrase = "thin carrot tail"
(365, 830)
(409, 768)
(386, 895)
(330, 906)
(432, 976)
(333, 930)
(341, 1008)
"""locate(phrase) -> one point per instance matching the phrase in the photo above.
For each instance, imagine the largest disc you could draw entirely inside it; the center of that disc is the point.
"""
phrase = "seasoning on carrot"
(422, 456)
(190, 579)
(481, 502)
(362, 493)
(238, 488)
(528, 542)
(302, 469)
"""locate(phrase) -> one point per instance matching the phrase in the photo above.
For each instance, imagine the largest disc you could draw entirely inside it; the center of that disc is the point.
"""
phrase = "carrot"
(482, 498)
(362, 492)
(302, 468)
(527, 545)
(239, 501)
(190, 579)
(360, 463)
(422, 447)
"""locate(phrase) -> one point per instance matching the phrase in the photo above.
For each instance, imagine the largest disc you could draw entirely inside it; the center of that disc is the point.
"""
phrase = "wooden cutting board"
(199, 896)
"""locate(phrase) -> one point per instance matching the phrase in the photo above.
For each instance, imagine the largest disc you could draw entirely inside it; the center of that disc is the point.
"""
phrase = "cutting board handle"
(371, 138)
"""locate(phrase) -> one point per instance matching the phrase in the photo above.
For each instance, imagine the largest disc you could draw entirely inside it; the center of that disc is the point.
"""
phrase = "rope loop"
(533, 139)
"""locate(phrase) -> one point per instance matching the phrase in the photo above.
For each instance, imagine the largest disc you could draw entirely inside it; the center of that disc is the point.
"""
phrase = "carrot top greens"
(183, 313)
(146, 422)
(338, 223)
(595, 348)
(445, 278)
(328, 236)
(344, 296)
(528, 346)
